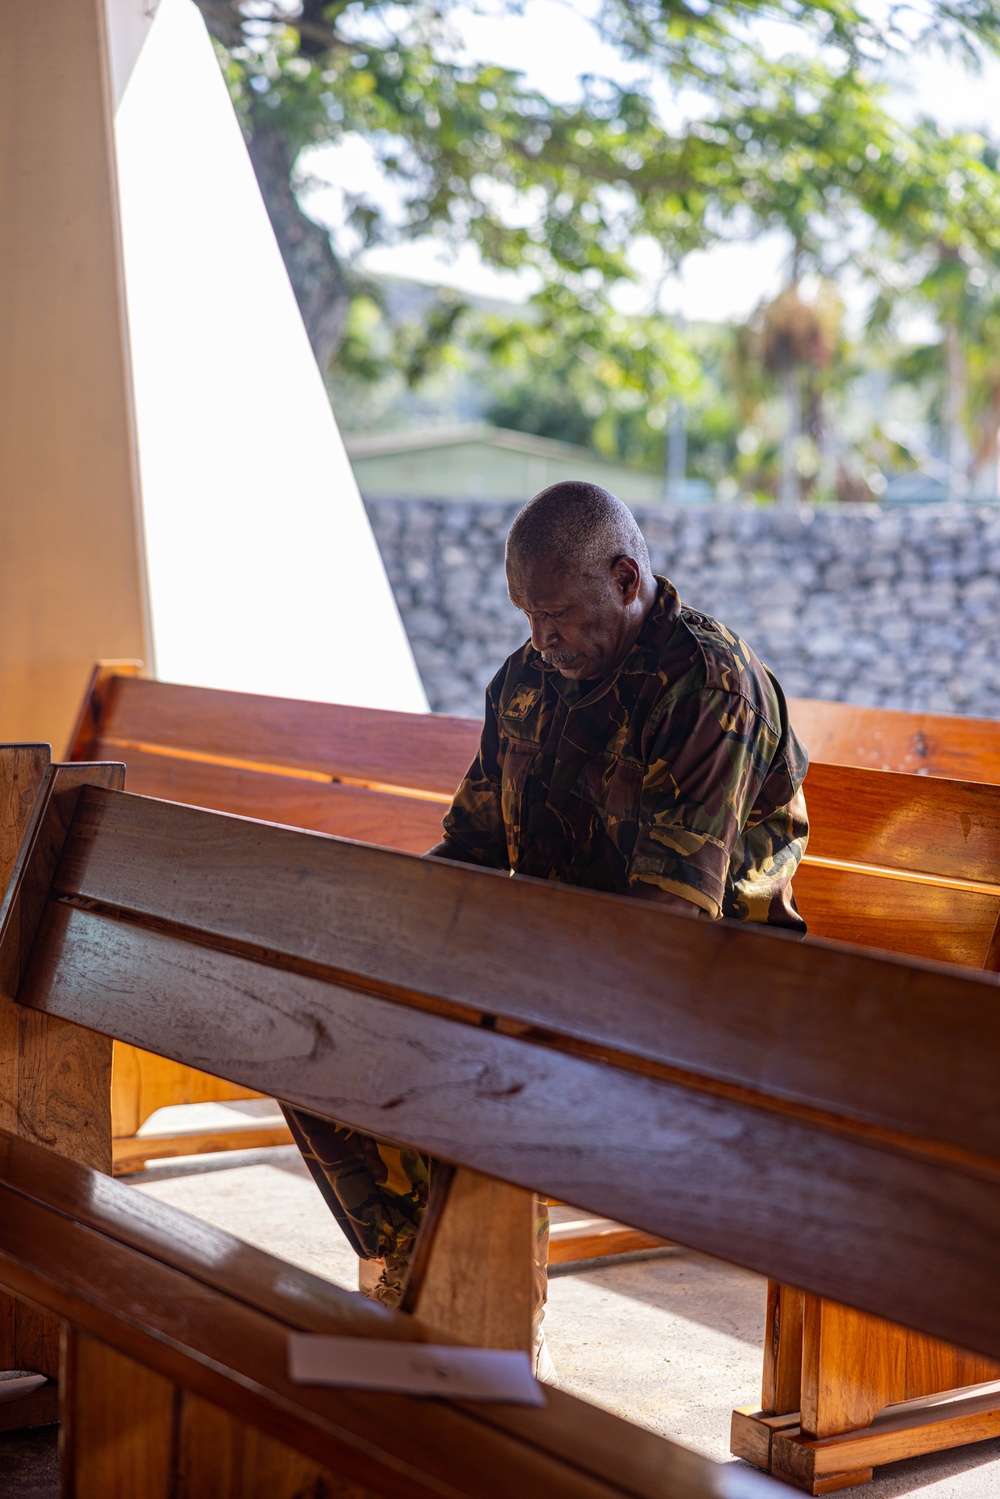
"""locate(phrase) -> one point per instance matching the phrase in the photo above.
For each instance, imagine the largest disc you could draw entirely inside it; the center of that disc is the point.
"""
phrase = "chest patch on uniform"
(521, 703)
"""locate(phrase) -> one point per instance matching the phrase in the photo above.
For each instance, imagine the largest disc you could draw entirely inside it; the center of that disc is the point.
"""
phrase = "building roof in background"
(477, 461)
(380, 444)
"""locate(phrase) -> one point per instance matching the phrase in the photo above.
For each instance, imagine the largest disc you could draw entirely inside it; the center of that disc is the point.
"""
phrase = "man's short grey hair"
(577, 527)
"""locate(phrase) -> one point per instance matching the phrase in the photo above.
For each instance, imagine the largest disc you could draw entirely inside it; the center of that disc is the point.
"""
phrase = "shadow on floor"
(29, 1463)
(284, 1157)
(690, 1285)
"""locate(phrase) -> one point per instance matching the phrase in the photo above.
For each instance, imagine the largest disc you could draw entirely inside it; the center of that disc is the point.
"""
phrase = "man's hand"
(449, 849)
(676, 903)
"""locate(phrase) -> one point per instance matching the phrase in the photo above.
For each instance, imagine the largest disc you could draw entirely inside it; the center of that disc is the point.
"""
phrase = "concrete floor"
(671, 1342)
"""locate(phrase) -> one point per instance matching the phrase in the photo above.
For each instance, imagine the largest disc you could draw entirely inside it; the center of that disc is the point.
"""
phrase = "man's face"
(582, 626)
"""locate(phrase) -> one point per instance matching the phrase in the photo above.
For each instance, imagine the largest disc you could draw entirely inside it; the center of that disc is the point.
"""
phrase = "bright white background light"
(263, 572)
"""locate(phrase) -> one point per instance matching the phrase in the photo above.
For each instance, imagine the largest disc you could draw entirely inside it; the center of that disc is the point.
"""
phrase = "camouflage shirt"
(681, 770)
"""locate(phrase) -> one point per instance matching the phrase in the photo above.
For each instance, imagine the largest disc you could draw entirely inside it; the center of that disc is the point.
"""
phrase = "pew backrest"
(817, 1113)
(929, 744)
(903, 862)
(906, 863)
(123, 710)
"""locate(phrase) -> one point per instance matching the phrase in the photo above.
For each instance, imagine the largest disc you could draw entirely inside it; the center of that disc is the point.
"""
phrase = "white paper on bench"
(16, 1383)
(413, 1368)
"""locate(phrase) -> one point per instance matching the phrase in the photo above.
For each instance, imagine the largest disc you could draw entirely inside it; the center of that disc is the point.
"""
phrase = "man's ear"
(627, 577)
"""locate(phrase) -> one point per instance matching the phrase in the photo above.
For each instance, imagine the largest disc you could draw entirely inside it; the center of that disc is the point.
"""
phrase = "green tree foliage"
(802, 143)
(943, 259)
(796, 142)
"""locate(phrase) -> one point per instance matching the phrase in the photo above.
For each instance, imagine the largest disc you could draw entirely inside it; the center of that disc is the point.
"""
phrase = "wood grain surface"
(408, 822)
(929, 744)
(892, 1043)
(331, 740)
(481, 1242)
(942, 923)
(910, 822)
(227, 724)
(117, 1424)
(22, 770)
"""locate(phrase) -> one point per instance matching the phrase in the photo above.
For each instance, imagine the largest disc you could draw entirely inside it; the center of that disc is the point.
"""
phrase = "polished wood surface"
(328, 741)
(723, 999)
(27, 1339)
(929, 744)
(233, 728)
(909, 822)
(56, 1080)
(223, 1458)
(782, 1383)
(825, 1465)
(152, 1295)
(22, 770)
(410, 822)
(118, 1424)
(871, 833)
(944, 923)
(354, 981)
(277, 759)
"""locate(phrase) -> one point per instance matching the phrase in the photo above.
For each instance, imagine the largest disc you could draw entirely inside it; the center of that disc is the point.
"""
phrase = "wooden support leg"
(872, 1393)
(752, 1431)
(473, 1271)
(118, 1419)
(55, 1078)
(853, 1365)
(781, 1392)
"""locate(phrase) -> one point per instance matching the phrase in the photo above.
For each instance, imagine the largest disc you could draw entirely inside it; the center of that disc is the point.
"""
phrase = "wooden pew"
(386, 778)
(123, 709)
(174, 1372)
(321, 766)
(904, 863)
(930, 744)
(911, 865)
(661, 1071)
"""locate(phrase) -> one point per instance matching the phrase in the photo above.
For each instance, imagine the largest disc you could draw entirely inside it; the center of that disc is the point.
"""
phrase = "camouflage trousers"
(377, 1191)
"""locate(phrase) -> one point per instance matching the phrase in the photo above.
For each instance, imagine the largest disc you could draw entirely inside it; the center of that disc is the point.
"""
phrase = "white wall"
(263, 572)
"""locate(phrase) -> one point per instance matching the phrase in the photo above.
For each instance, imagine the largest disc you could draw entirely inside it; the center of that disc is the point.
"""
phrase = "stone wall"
(899, 608)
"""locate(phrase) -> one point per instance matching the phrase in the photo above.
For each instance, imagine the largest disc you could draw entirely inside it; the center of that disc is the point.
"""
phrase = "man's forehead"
(543, 586)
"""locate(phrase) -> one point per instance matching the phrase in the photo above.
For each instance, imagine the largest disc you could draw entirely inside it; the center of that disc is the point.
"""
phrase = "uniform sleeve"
(475, 818)
(706, 768)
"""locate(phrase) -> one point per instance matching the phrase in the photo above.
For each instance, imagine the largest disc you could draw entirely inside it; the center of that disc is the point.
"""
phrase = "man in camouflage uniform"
(631, 745)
